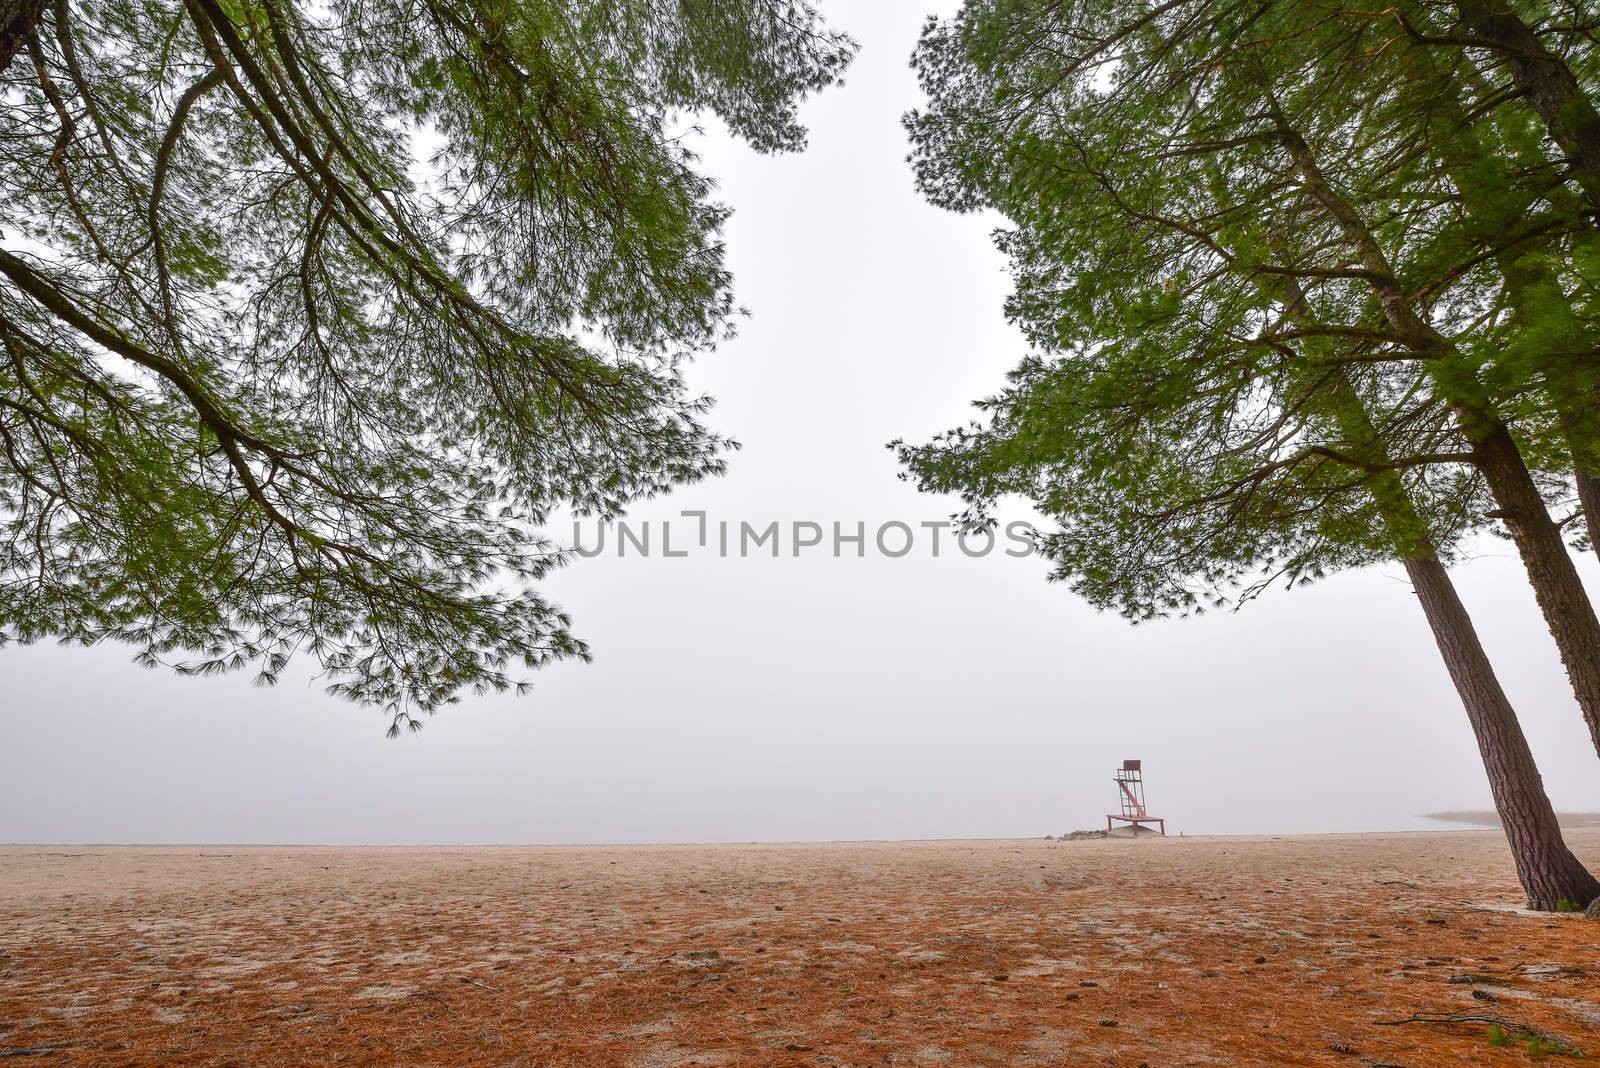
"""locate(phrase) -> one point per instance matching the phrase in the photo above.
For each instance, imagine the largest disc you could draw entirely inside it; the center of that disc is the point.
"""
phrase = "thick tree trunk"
(1560, 593)
(1547, 82)
(17, 21)
(1570, 381)
(1574, 124)
(1549, 872)
(1556, 585)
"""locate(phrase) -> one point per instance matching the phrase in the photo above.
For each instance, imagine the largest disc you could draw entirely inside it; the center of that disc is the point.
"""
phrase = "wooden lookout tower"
(1130, 793)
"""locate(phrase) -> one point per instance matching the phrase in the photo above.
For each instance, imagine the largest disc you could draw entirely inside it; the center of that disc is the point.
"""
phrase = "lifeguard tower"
(1130, 793)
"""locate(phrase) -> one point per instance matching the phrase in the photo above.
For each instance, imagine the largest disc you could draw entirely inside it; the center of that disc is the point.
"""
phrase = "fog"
(820, 697)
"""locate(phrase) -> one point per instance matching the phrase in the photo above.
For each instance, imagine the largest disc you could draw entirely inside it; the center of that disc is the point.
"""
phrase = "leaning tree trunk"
(1555, 580)
(1556, 95)
(1582, 430)
(1547, 82)
(1548, 871)
(1589, 497)
(1551, 876)
(17, 21)
(1559, 591)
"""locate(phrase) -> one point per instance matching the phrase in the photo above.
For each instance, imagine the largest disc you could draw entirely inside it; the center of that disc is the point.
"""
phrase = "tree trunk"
(1547, 869)
(1547, 82)
(1559, 591)
(1580, 424)
(1582, 431)
(17, 21)
(1549, 872)
(1589, 497)
(1555, 580)
(1574, 124)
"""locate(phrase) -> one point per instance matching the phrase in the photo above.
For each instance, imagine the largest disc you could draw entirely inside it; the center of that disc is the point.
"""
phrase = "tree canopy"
(1207, 328)
(312, 313)
(1307, 288)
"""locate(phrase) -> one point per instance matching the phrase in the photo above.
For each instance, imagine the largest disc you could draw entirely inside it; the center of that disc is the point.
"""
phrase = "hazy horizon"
(815, 698)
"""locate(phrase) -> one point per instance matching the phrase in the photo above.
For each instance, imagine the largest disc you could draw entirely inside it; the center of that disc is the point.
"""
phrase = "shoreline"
(1458, 828)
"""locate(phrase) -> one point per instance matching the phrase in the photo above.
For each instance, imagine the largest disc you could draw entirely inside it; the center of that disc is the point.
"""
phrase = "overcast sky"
(816, 697)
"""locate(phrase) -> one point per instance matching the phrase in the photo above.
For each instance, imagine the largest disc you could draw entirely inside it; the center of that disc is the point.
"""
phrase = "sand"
(1194, 951)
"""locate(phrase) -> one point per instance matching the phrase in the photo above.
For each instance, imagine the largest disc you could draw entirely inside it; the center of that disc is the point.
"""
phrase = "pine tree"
(1543, 61)
(1232, 388)
(311, 314)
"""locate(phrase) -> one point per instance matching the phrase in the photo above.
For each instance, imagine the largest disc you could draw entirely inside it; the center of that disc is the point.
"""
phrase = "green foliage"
(1263, 255)
(1497, 1035)
(312, 313)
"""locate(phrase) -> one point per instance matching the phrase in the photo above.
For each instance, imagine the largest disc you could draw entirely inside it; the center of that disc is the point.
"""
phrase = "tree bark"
(1574, 124)
(18, 18)
(1550, 874)
(1548, 83)
(1556, 586)
(1589, 497)
(1555, 580)
(1581, 427)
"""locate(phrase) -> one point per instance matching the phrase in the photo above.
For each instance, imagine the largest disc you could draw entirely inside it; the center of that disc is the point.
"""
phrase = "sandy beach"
(1191, 951)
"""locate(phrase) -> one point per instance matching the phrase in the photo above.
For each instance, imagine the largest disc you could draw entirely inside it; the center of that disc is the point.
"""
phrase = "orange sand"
(1197, 951)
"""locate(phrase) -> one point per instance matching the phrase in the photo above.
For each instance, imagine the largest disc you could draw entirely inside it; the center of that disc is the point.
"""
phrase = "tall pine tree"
(1231, 387)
